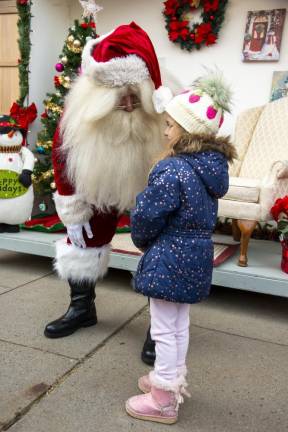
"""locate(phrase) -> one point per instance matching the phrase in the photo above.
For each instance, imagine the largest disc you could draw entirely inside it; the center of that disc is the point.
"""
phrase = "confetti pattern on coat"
(174, 219)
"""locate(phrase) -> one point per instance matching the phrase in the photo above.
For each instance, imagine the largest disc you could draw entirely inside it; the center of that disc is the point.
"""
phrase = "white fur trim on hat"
(115, 72)
(161, 97)
(80, 264)
(72, 209)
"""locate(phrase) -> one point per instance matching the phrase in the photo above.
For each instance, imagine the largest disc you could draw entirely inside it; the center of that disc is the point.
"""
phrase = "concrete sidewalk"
(238, 358)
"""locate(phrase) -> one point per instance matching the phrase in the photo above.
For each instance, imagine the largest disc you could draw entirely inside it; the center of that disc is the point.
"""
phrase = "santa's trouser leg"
(148, 354)
(82, 268)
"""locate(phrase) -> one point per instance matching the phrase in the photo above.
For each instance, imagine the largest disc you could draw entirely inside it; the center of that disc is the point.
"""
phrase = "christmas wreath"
(189, 34)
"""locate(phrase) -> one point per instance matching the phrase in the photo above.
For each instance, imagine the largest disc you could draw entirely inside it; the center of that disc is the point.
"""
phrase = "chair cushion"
(243, 189)
(239, 210)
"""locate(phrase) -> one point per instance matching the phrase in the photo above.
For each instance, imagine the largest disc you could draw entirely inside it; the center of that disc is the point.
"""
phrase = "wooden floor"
(263, 274)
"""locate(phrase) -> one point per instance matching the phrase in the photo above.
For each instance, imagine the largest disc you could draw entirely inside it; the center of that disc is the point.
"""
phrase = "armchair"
(260, 175)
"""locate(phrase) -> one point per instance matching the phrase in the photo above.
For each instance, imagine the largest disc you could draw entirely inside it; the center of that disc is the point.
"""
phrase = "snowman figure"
(16, 167)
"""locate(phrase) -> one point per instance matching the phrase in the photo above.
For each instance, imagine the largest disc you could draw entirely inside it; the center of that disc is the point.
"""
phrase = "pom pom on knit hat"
(201, 109)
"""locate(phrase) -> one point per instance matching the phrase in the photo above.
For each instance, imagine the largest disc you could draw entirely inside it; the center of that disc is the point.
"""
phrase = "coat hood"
(210, 163)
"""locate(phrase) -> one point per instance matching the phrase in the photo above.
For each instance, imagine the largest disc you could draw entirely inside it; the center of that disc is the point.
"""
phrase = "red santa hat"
(125, 56)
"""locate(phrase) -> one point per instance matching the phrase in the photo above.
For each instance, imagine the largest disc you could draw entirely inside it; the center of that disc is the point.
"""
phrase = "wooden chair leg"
(246, 227)
(236, 233)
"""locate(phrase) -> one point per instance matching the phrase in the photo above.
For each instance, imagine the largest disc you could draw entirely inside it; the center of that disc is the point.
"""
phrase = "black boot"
(148, 354)
(81, 311)
(10, 228)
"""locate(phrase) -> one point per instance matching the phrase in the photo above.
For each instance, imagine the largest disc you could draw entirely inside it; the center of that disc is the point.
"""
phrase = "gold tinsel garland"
(53, 107)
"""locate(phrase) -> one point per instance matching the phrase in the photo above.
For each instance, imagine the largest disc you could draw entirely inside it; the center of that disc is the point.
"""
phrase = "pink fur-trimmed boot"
(159, 405)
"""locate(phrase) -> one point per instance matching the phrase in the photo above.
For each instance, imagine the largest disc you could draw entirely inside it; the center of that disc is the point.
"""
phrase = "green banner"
(10, 187)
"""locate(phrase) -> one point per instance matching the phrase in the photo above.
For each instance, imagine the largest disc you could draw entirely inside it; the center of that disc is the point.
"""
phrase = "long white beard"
(109, 152)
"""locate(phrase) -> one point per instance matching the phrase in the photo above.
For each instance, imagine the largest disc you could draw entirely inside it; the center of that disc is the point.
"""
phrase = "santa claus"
(103, 150)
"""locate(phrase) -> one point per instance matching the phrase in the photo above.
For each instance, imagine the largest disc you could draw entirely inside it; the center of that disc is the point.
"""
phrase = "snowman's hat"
(8, 123)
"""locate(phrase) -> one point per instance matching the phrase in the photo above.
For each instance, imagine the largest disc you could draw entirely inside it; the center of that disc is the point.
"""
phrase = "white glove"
(75, 234)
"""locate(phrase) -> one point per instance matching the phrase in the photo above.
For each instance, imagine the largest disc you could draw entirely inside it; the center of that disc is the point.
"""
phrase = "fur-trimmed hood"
(210, 162)
(203, 143)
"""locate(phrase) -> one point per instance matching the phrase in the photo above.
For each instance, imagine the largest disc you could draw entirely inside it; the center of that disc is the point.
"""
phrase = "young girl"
(173, 223)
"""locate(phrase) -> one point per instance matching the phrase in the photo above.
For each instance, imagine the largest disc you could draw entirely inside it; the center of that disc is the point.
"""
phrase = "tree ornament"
(77, 43)
(90, 9)
(53, 185)
(64, 60)
(187, 33)
(59, 67)
(70, 38)
(40, 150)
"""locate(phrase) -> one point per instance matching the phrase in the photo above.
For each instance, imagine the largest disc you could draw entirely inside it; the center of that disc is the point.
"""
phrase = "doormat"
(122, 243)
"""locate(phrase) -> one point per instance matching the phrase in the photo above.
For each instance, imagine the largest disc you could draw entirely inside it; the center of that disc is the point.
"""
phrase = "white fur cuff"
(160, 383)
(72, 209)
(81, 264)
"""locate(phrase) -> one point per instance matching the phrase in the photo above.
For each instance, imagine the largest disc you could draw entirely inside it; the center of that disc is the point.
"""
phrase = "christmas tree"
(68, 69)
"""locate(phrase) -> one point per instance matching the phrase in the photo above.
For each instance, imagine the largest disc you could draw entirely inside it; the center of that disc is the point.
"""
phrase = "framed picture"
(263, 34)
(279, 86)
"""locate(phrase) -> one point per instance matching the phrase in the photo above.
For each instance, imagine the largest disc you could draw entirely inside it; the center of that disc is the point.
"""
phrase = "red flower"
(184, 33)
(199, 39)
(178, 25)
(211, 39)
(280, 205)
(204, 28)
(84, 25)
(211, 5)
(173, 35)
(44, 115)
(203, 32)
(170, 7)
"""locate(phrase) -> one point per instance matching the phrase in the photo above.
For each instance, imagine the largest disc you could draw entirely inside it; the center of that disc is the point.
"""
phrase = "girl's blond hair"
(184, 143)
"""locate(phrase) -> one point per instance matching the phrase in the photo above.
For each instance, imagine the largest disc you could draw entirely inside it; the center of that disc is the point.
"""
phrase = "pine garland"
(24, 43)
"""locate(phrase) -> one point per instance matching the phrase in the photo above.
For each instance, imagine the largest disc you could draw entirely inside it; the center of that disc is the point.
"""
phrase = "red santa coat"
(72, 262)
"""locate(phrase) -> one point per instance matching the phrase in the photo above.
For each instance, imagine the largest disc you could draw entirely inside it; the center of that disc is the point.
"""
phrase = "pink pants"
(170, 331)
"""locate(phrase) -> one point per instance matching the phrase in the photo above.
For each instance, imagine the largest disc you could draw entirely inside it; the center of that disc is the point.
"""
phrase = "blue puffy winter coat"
(173, 221)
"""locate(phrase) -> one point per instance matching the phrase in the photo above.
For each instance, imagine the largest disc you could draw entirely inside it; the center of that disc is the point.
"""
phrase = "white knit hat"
(201, 109)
